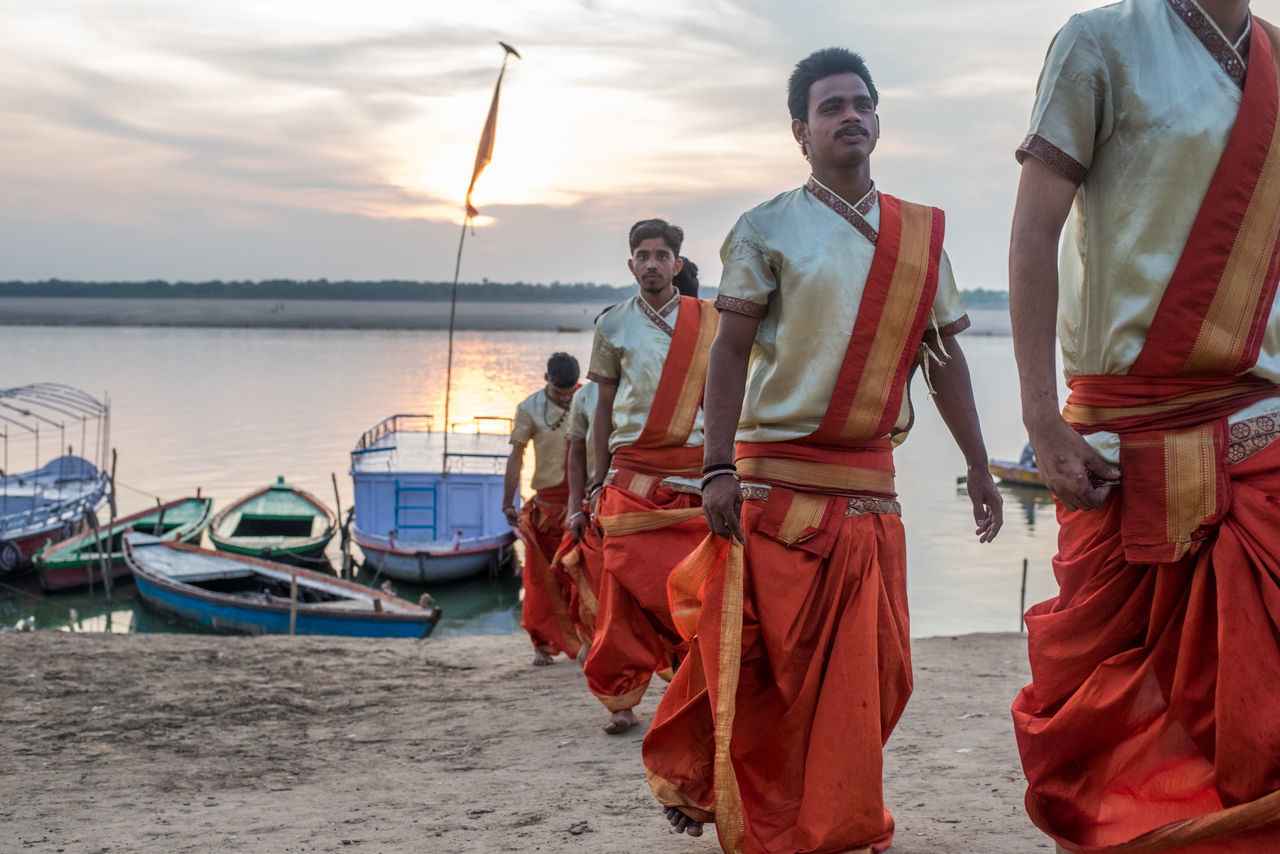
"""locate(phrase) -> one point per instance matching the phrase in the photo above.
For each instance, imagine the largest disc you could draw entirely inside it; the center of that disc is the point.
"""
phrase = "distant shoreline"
(476, 316)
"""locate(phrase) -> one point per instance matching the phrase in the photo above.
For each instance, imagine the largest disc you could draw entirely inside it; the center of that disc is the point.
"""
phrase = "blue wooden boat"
(237, 593)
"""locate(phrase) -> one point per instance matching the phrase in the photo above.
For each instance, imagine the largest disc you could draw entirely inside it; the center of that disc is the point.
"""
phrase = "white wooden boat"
(422, 514)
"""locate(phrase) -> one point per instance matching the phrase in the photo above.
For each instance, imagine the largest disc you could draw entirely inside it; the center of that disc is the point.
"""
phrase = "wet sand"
(192, 743)
(336, 314)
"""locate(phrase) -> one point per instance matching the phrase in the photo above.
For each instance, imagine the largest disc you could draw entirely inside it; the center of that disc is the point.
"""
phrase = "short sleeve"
(579, 418)
(606, 359)
(1072, 114)
(949, 315)
(522, 432)
(748, 277)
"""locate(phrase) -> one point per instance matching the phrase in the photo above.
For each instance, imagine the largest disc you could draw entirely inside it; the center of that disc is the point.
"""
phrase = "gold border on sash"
(817, 475)
(640, 521)
(1224, 334)
(690, 398)
(730, 823)
(1191, 494)
(877, 380)
(1076, 413)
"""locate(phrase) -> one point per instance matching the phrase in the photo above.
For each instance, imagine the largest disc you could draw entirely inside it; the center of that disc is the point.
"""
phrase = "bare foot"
(542, 659)
(681, 822)
(582, 654)
(621, 721)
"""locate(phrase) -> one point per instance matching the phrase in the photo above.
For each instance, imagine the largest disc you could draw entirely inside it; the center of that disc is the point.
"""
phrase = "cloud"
(257, 135)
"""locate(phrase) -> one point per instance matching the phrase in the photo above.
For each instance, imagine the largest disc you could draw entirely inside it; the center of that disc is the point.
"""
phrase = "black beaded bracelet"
(719, 467)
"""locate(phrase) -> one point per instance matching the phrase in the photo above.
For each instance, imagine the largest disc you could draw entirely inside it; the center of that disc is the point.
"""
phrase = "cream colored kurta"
(1135, 104)
(541, 419)
(581, 412)
(630, 349)
(801, 267)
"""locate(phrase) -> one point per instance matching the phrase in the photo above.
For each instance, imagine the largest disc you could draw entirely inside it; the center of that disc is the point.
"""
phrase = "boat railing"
(457, 462)
(478, 420)
(403, 422)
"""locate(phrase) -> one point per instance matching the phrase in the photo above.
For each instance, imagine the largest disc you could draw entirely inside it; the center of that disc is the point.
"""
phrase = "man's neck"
(1229, 15)
(659, 299)
(850, 184)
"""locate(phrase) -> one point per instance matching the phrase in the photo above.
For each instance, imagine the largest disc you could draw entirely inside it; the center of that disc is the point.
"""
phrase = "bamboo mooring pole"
(293, 602)
(1022, 600)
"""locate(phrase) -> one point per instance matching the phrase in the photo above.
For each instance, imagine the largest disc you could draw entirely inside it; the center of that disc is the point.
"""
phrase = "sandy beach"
(335, 314)
(189, 743)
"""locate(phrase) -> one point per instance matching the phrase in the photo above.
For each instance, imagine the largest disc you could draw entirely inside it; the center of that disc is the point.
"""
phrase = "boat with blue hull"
(428, 504)
(236, 593)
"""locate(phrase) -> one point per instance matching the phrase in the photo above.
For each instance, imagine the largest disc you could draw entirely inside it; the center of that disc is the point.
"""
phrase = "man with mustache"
(649, 360)
(799, 664)
(1151, 720)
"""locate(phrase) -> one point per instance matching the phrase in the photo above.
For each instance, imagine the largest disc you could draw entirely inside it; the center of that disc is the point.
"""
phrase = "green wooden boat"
(77, 561)
(278, 523)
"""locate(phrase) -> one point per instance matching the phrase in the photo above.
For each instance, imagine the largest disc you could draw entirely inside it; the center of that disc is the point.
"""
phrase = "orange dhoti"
(582, 562)
(648, 528)
(1153, 719)
(784, 754)
(545, 612)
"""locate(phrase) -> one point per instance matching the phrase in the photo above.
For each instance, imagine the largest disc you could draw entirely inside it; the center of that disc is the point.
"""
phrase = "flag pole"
(484, 154)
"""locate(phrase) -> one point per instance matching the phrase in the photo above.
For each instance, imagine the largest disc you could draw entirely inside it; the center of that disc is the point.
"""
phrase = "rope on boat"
(139, 491)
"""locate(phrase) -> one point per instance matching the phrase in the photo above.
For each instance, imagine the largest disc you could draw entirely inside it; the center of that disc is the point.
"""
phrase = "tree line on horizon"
(385, 290)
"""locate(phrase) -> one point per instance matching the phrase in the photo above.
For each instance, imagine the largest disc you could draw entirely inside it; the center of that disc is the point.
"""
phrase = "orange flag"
(485, 151)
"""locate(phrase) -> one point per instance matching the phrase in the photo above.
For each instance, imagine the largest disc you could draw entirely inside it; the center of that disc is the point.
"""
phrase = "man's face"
(654, 265)
(560, 395)
(843, 126)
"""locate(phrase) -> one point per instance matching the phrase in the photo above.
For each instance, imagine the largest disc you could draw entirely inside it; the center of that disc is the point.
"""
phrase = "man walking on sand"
(650, 361)
(799, 664)
(541, 417)
(1153, 719)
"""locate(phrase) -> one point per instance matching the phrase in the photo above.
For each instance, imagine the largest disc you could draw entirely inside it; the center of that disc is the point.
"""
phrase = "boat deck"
(422, 452)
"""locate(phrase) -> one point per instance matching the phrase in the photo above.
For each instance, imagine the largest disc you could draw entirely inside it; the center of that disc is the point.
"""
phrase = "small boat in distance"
(1009, 471)
(236, 593)
(278, 522)
(424, 514)
(77, 561)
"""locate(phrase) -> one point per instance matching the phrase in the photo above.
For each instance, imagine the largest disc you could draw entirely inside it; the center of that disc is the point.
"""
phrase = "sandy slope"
(183, 743)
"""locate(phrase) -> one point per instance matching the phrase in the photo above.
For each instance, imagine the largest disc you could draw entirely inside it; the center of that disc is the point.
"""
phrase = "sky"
(255, 139)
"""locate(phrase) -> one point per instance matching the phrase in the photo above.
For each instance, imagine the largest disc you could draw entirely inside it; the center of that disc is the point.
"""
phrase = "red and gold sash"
(684, 376)
(849, 453)
(1171, 409)
(891, 321)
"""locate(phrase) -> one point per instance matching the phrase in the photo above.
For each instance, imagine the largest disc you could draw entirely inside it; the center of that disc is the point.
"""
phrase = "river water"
(228, 410)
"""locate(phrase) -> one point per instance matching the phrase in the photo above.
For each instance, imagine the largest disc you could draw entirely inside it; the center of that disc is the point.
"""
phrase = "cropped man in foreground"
(799, 664)
(1153, 719)
(541, 418)
(650, 361)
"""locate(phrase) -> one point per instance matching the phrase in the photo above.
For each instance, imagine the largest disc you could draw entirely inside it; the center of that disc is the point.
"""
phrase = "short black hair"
(686, 281)
(562, 370)
(649, 228)
(820, 64)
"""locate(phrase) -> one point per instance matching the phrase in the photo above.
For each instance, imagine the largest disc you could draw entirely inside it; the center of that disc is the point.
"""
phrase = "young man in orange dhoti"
(799, 664)
(649, 359)
(1153, 719)
(541, 418)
